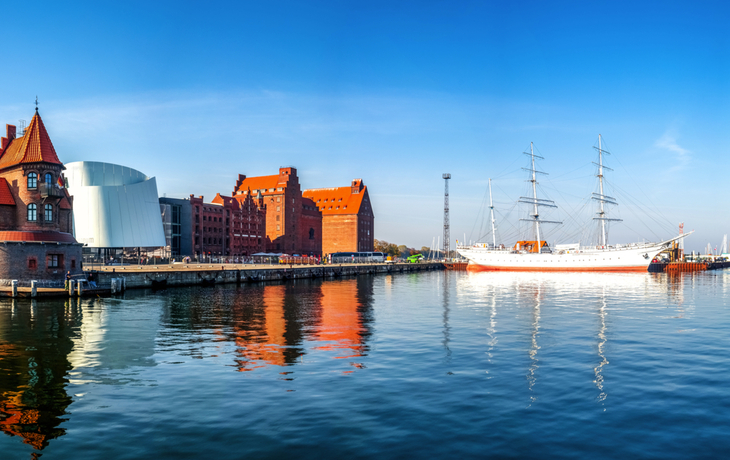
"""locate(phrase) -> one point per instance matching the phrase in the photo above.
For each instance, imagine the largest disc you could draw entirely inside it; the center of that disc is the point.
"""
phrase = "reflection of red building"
(33, 398)
(262, 340)
(340, 319)
(277, 323)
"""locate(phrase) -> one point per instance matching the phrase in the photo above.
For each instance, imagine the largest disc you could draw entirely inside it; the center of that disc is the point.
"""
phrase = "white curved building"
(114, 206)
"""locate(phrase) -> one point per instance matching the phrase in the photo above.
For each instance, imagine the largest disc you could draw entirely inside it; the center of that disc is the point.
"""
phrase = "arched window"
(32, 216)
(48, 216)
(49, 179)
(32, 181)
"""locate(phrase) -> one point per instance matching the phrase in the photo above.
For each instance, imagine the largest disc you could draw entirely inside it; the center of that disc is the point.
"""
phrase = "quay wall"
(166, 276)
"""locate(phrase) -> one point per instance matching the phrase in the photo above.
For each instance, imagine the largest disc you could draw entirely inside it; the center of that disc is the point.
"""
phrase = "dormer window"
(32, 181)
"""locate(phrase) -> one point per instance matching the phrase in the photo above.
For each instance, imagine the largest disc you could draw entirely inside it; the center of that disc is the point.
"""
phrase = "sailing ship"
(537, 255)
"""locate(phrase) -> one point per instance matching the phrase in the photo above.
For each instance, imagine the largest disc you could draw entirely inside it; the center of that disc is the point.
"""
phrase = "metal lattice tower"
(447, 232)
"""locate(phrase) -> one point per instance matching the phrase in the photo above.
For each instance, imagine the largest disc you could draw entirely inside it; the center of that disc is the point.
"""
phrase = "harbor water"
(422, 365)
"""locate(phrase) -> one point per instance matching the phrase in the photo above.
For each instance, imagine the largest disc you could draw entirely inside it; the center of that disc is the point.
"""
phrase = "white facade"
(114, 206)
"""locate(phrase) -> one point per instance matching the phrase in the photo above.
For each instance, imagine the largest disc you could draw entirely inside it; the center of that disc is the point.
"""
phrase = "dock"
(116, 278)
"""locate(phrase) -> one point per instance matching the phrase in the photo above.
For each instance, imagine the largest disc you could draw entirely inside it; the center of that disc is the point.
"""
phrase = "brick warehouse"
(347, 217)
(313, 222)
(293, 222)
(228, 227)
(35, 209)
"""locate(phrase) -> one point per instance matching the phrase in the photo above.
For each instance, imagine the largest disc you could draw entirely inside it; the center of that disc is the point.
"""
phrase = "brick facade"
(348, 223)
(228, 227)
(293, 225)
(313, 222)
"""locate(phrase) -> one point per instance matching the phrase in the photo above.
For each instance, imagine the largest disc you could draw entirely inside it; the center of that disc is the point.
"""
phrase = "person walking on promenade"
(68, 278)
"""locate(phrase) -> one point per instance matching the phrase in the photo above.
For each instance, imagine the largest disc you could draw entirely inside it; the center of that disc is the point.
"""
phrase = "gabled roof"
(263, 183)
(339, 200)
(34, 147)
(5, 196)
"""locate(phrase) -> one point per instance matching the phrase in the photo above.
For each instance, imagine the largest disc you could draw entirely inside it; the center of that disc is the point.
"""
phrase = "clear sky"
(395, 93)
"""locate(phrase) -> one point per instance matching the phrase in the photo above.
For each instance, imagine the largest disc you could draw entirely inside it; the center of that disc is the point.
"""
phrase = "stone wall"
(27, 261)
(207, 274)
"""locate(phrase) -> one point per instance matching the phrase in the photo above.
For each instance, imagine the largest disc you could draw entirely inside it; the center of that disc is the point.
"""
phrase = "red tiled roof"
(49, 237)
(35, 146)
(341, 200)
(5, 196)
(263, 183)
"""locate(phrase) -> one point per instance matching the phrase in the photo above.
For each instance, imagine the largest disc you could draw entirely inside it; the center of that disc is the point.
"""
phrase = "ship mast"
(601, 197)
(535, 201)
(491, 208)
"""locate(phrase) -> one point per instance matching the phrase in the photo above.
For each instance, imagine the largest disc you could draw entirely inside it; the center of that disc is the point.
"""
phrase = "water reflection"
(534, 347)
(598, 370)
(561, 294)
(270, 324)
(447, 329)
(34, 344)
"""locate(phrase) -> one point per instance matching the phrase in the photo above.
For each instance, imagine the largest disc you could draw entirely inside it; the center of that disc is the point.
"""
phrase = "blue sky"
(395, 93)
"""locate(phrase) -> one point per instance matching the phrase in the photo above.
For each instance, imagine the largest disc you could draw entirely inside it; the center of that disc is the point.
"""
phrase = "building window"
(53, 261)
(278, 199)
(278, 227)
(311, 233)
(32, 216)
(49, 179)
(48, 215)
(277, 217)
(73, 263)
(32, 181)
(32, 264)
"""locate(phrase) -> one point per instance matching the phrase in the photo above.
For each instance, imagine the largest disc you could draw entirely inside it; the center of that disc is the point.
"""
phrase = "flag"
(60, 181)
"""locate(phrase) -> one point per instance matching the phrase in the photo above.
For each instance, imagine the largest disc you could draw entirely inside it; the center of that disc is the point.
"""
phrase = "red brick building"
(293, 223)
(347, 217)
(35, 209)
(228, 227)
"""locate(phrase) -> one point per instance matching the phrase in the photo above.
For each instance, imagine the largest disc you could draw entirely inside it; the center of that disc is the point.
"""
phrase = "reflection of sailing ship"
(33, 365)
(534, 347)
(598, 370)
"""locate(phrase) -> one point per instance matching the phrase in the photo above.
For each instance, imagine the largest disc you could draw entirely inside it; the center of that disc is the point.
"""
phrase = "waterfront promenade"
(191, 274)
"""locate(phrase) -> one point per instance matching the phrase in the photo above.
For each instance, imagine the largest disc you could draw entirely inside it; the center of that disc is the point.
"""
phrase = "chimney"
(356, 186)
(10, 129)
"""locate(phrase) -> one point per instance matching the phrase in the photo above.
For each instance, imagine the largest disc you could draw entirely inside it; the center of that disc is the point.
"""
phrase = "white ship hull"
(620, 258)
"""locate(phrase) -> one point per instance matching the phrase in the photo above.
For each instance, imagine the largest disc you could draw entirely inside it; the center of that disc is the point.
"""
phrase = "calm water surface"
(439, 364)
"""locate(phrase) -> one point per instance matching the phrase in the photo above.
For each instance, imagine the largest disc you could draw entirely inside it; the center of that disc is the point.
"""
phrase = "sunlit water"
(429, 365)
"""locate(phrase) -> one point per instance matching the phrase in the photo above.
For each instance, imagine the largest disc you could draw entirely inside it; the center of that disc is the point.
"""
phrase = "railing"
(51, 190)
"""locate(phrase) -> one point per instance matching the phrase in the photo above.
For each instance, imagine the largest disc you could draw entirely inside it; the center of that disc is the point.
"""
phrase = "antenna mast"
(447, 235)
(491, 208)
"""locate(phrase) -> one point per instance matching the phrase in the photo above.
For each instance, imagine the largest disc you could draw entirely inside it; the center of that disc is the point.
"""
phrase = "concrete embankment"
(146, 276)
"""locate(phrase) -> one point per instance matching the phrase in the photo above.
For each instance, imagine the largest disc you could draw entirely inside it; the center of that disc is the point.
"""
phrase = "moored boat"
(537, 255)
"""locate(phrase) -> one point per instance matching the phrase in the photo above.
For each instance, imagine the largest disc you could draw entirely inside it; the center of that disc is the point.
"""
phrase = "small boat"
(537, 255)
